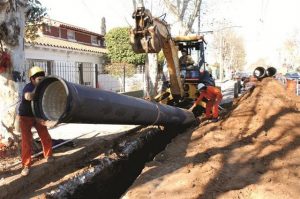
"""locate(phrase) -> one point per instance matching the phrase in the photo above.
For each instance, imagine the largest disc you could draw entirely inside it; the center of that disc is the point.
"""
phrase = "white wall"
(59, 54)
(66, 57)
(108, 82)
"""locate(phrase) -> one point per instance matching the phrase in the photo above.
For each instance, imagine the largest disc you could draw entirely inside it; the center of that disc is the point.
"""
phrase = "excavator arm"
(150, 35)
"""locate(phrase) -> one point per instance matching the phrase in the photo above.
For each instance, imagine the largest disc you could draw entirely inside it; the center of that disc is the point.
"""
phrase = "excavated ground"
(252, 153)
(97, 167)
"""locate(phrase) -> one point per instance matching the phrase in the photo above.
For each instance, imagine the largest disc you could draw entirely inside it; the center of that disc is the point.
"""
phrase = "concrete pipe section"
(259, 72)
(64, 102)
(271, 71)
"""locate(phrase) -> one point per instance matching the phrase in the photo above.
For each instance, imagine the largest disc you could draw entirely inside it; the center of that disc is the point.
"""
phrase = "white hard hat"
(200, 86)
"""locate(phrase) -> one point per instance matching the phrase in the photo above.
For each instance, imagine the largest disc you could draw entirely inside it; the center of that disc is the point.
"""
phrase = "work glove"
(47, 123)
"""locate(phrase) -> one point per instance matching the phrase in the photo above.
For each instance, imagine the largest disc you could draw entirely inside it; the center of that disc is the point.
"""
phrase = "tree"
(237, 53)
(230, 49)
(291, 51)
(119, 48)
(34, 19)
(13, 16)
(185, 12)
(122, 58)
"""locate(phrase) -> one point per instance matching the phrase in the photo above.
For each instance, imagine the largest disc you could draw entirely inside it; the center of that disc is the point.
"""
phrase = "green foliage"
(119, 48)
(117, 69)
(34, 19)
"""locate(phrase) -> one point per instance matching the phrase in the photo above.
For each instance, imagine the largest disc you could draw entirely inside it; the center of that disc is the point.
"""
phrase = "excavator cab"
(193, 73)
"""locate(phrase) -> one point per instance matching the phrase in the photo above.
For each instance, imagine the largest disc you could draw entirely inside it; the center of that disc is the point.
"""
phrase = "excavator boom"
(151, 35)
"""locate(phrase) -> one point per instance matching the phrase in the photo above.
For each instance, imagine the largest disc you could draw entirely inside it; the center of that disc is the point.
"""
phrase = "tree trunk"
(10, 82)
(185, 12)
(151, 74)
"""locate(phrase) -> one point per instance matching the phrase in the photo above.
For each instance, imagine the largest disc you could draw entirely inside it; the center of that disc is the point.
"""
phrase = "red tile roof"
(69, 26)
(59, 43)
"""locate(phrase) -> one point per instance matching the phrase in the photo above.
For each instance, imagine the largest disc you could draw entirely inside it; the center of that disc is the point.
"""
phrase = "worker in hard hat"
(27, 121)
(214, 97)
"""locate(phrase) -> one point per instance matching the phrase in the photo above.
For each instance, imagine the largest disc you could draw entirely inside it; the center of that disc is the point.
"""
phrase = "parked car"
(292, 76)
(241, 75)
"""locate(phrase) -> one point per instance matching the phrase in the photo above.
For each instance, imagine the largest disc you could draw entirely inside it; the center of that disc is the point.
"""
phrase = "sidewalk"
(70, 131)
(227, 88)
(94, 139)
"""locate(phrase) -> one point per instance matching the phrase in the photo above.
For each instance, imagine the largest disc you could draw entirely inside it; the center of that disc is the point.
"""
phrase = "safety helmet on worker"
(201, 86)
(35, 70)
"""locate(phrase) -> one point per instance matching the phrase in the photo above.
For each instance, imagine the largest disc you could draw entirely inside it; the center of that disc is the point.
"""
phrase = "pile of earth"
(253, 152)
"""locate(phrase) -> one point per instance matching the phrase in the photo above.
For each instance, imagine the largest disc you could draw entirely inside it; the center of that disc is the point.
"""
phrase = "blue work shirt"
(25, 105)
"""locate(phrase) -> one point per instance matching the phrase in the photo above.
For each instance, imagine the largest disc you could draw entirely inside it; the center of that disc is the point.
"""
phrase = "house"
(68, 51)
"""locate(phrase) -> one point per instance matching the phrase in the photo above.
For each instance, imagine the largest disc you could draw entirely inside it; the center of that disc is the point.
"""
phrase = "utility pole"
(221, 61)
(199, 24)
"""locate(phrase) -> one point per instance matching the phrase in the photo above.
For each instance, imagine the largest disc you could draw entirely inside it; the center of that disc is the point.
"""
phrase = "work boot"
(215, 120)
(25, 171)
(49, 159)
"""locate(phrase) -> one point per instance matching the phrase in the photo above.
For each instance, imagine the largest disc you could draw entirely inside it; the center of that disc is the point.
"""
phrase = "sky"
(264, 24)
(88, 13)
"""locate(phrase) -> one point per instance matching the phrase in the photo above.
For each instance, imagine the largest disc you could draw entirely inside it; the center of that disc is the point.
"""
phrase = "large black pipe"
(64, 102)
(259, 72)
(271, 71)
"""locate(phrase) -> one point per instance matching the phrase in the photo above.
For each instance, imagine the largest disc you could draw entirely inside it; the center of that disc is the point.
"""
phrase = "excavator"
(151, 35)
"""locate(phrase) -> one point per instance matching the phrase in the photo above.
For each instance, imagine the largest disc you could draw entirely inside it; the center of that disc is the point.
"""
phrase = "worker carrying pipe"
(27, 121)
(59, 101)
(214, 97)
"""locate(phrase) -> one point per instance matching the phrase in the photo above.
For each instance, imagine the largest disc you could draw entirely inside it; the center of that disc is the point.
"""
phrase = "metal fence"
(76, 72)
(298, 87)
(295, 86)
(87, 74)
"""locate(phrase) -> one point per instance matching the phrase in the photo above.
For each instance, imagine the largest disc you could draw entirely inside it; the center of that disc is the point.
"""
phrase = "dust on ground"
(253, 152)
(8, 156)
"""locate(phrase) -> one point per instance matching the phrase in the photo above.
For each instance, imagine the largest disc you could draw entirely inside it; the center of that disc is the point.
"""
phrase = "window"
(71, 35)
(94, 40)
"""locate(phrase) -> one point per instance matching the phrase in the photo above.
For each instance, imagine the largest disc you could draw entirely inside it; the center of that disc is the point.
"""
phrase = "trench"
(112, 175)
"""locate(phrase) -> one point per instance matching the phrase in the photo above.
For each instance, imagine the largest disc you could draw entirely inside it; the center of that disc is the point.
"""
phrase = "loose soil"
(253, 152)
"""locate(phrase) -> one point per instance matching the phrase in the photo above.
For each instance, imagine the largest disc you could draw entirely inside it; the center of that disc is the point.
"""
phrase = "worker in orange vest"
(214, 97)
(27, 121)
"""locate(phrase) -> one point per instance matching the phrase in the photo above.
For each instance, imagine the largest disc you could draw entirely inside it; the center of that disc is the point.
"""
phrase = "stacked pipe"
(59, 101)
(261, 72)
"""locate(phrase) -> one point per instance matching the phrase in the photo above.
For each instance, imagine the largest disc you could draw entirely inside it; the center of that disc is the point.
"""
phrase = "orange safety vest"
(211, 93)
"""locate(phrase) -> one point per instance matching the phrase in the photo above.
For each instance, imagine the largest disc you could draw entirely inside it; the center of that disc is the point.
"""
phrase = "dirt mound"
(253, 152)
